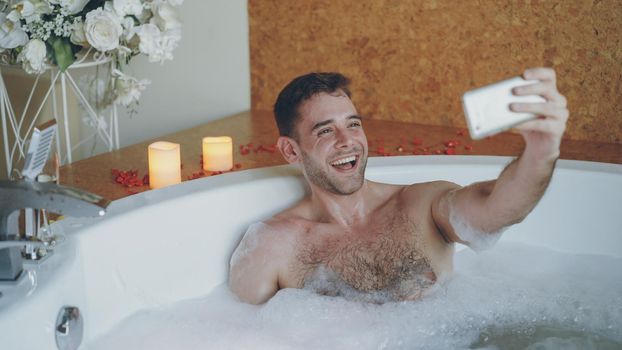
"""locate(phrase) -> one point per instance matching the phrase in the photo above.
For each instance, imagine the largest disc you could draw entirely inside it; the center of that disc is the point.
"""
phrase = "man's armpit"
(459, 225)
(441, 208)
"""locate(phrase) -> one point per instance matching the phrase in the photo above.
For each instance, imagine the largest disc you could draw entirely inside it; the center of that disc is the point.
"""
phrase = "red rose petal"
(451, 143)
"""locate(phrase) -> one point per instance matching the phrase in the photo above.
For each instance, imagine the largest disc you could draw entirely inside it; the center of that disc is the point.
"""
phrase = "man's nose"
(344, 140)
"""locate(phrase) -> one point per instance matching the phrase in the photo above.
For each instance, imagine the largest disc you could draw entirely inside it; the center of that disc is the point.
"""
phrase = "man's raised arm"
(488, 207)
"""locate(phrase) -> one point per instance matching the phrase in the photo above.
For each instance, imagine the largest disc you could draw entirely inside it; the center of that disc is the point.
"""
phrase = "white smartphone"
(487, 109)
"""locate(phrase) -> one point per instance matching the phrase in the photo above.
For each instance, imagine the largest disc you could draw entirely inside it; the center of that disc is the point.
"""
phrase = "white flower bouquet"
(41, 33)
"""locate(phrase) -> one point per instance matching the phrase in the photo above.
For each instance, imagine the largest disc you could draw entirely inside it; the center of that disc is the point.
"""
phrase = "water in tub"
(511, 297)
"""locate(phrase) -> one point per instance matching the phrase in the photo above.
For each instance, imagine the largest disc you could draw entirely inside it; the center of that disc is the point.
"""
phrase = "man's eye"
(324, 131)
(355, 124)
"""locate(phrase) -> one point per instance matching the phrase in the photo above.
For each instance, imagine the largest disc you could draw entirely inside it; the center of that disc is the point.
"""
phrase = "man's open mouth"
(345, 163)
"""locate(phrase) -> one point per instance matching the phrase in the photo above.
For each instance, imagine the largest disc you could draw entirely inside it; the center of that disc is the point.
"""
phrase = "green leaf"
(62, 54)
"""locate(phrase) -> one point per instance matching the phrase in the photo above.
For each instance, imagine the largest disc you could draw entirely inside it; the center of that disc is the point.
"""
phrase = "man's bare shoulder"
(259, 262)
(276, 232)
(267, 234)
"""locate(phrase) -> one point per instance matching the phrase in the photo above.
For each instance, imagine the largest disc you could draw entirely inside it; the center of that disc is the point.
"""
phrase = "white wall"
(209, 77)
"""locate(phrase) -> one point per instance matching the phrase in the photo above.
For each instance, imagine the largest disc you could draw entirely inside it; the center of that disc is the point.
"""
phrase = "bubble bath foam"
(513, 296)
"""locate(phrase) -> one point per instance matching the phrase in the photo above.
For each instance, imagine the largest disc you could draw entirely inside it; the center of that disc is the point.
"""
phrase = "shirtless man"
(374, 241)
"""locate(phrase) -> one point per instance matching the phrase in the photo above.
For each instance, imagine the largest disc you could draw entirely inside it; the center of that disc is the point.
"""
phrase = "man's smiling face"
(332, 142)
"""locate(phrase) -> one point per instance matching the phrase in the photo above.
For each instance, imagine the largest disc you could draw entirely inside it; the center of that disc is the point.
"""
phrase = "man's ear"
(289, 149)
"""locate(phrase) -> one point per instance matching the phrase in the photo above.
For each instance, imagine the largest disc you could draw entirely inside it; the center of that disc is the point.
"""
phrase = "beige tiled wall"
(412, 60)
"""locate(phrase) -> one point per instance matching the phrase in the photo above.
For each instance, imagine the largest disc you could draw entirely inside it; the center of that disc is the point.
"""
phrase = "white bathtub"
(159, 247)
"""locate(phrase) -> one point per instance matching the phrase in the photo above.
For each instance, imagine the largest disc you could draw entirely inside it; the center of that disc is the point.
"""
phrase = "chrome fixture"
(17, 195)
(69, 328)
(38, 153)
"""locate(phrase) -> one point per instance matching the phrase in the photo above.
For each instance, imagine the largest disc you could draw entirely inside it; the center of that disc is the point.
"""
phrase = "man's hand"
(492, 205)
(543, 135)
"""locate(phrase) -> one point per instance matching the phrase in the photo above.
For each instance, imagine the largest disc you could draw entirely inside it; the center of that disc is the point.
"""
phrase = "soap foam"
(327, 282)
(477, 240)
(512, 290)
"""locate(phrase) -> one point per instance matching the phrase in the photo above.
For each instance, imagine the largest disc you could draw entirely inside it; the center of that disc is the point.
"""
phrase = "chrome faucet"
(17, 195)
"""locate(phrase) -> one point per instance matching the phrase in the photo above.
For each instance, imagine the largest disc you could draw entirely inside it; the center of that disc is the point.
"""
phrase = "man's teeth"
(344, 160)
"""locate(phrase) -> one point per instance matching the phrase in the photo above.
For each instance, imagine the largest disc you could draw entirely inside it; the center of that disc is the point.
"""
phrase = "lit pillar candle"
(164, 164)
(217, 153)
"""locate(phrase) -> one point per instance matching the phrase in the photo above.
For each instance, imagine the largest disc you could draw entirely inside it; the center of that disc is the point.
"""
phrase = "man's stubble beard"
(317, 176)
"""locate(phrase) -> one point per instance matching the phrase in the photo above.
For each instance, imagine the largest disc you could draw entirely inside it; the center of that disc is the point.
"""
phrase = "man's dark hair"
(298, 91)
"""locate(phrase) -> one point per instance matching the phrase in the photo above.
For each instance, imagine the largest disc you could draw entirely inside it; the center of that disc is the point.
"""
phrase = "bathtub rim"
(240, 176)
(375, 166)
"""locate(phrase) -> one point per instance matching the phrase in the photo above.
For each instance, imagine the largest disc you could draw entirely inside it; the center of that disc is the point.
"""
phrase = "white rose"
(165, 16)
(128, 89)
(78, 36)
(24, 9)
(149, 35)
(128, 28)
(14, 16)
(11, 33)
(103, 29)
(168, 42)
(42, 6)
(127, 7)
(30, 10)
(73, 6)
(33, 57)
(156, 45)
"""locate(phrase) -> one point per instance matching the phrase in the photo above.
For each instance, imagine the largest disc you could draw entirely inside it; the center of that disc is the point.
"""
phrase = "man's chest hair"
(381, 257)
